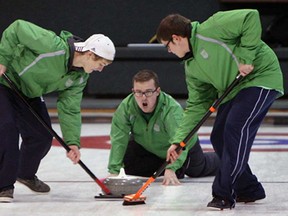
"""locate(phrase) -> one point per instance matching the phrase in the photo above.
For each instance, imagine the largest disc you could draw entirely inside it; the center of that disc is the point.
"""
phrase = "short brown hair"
(173, 24)
(146, 75)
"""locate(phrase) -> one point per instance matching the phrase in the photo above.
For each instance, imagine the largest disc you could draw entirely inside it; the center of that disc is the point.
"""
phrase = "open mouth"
(144, 104)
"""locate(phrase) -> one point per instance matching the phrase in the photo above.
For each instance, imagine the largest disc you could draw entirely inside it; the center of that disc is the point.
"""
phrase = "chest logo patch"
(204, 54)
(69, 83)
(156, 127)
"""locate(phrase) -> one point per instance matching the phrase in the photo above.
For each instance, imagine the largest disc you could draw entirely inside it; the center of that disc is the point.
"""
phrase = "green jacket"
(39, 62)
(154, 136)
(218, 46)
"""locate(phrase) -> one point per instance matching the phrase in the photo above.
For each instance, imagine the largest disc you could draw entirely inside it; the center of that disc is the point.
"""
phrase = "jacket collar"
(71, 41)
(188, 54)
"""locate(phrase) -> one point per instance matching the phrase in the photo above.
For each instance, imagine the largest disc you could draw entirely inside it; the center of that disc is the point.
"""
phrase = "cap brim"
(80, 46)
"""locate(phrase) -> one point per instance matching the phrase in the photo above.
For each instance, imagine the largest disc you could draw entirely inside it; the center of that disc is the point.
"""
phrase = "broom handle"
(53, 133)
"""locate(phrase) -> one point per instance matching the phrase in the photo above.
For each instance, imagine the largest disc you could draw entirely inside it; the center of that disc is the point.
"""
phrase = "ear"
(176, 38)
(89, 54)
(158, 91)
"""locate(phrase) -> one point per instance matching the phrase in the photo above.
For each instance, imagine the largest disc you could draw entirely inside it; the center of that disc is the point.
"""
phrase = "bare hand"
(172, 155)
(245, 69)
(2, 69)
(170, 177)
(74, 154)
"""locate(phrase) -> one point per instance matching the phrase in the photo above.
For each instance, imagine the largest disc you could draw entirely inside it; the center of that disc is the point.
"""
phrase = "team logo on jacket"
(204, 54)
(156, 127)
(69, 83)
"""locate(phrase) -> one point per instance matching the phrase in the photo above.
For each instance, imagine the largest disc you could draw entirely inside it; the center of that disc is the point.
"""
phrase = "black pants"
(140, 162)
(16, 119)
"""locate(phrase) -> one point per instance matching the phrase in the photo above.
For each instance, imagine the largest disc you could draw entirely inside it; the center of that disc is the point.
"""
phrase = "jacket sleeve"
(23, 33)
(119, 136)
(241, 27)
(201, 97)
(172, 121)
(69, 113)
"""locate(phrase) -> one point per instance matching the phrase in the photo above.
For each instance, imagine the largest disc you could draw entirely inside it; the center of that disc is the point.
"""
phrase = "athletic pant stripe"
(245, 132)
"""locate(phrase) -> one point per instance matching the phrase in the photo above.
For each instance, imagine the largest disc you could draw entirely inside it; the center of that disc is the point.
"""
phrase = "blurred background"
(131, 25)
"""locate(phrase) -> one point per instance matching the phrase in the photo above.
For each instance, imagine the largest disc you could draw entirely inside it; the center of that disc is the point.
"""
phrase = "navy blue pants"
(233, 134)
(16, 119)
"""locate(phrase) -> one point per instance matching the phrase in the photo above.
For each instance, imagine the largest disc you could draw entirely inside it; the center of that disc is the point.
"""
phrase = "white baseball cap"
(99, 44)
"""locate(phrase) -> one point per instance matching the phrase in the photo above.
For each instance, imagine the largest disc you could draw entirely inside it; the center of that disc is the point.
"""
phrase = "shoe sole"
(249, 200)
(220, 208)
(6, 199)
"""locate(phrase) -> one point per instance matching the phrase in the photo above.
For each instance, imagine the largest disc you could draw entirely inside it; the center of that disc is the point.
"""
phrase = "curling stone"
(122, 184)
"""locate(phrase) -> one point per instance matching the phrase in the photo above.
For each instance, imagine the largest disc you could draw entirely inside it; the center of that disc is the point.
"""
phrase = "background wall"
(124, 21)
(129, 22)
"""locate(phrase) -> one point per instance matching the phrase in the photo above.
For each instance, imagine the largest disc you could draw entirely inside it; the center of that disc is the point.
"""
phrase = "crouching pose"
(141, 129)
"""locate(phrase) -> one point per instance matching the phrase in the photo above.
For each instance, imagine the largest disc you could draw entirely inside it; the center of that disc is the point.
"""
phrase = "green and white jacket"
(153, 136)
(39, 62)
(218, 46)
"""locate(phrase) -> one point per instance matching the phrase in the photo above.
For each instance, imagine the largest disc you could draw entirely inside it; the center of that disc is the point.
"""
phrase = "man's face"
(92, 64)
(146, 94)
(177, 45)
